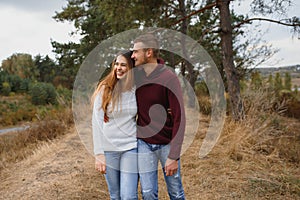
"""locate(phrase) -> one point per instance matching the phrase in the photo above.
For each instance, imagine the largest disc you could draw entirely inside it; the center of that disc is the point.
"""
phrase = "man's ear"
(149, 53)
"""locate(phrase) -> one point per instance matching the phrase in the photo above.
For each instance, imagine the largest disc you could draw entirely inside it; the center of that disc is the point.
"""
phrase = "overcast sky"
(27, 26)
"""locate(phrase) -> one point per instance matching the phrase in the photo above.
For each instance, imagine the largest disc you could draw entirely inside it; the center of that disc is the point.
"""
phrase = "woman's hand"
(100, 163)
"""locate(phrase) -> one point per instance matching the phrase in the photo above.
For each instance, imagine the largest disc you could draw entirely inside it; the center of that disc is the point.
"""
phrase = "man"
(161, 120)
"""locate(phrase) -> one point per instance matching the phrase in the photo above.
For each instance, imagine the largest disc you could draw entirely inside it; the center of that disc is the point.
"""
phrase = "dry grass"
(296, 81)
(63, 169)
(18, 145)
(59, 169)
(257, 158)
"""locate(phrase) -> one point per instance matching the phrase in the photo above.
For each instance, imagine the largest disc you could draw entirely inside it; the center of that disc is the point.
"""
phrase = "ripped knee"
(149, 194)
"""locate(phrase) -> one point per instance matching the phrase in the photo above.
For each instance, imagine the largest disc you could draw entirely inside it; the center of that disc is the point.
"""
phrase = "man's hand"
(106, 118)
(100, 163)
(171, 167)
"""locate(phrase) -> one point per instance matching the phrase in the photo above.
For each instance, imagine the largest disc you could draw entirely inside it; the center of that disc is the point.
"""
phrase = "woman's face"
(121, 67)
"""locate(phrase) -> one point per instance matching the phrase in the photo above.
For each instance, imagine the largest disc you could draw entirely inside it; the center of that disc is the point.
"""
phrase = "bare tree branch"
(196, 12)
(265, 19)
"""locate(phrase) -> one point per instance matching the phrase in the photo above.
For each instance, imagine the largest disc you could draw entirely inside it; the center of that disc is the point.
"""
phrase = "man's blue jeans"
(148, 157)
(121, 174)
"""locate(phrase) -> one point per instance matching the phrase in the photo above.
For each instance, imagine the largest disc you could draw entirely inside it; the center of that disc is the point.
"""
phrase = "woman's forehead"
(121, 59)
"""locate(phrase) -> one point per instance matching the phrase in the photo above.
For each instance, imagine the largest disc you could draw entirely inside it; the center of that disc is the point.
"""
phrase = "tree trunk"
(192, 77)
(227, 60)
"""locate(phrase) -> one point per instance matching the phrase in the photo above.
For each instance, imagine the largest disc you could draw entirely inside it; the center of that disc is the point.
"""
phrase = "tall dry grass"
(16, 146)
(264, 129)
(257, 158)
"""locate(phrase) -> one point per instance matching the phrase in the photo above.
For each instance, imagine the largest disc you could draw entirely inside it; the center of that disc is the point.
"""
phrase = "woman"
(114, 129)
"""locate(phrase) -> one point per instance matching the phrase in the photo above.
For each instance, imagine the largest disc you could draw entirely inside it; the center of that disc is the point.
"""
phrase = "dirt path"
(62, 169)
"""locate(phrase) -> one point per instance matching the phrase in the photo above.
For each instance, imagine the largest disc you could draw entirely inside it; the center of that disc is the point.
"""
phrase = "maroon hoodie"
(155, 94)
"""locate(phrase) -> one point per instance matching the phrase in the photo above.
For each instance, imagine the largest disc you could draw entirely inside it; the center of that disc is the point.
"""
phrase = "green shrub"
(64, 95)
(15, 82)
(6, 89)
(13, 106)
(38, 94)
(50, 90)
(42, 94)
(24, 85)
(201, 89)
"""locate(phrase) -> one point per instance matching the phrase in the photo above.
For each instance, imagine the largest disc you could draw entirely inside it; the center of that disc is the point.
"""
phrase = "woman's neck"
(123, 86)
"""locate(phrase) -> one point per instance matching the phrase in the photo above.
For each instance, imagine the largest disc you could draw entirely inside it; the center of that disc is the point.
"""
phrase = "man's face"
(139, 55)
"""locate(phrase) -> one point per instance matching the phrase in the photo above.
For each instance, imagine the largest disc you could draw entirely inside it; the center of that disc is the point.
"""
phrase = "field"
(296, 81)
(237, 168)
(256, 158)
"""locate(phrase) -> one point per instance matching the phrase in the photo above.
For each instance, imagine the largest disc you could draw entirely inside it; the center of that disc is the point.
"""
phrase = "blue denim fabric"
(148, 157)
(121, 174)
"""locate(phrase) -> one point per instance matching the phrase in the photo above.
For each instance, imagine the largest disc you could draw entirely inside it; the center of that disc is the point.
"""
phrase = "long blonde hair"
(112, 87)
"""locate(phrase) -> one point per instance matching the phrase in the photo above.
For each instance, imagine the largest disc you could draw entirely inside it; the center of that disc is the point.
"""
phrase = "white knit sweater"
(119, 133)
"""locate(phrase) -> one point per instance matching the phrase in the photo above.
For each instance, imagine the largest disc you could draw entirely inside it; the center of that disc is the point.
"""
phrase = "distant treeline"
(293, 70)
(40, 77)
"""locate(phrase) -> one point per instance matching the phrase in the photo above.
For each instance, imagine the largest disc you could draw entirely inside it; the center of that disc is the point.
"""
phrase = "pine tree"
(278, 83)
(287, 81)
(256, 80)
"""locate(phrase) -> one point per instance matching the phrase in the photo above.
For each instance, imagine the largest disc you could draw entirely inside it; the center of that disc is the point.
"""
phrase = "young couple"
(138, 121)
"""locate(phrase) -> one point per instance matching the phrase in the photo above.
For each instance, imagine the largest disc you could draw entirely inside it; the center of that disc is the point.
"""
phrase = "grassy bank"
(17, 109)
(16, 146)
(46, 123)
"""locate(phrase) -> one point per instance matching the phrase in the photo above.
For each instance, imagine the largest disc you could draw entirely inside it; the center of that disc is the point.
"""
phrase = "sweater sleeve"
(97, 125)
(176, 104)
